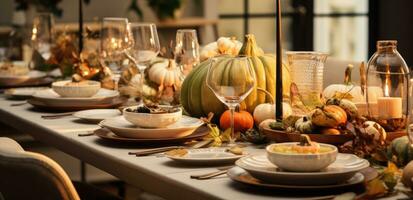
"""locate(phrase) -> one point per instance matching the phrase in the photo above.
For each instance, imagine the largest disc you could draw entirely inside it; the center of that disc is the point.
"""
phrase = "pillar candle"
(389, 107)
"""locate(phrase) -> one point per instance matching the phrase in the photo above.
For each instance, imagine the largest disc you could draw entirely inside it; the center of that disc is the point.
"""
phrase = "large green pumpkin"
(198, 100)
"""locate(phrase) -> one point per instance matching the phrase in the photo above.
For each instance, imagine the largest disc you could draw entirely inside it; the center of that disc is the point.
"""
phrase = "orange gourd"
(329, 116)
(243, 121)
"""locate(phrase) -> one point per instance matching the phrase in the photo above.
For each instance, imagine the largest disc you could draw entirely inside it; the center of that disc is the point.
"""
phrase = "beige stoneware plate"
(118, 125)
(97, 115)
(51, 98)
(345, 167)
(207, 156)
(240, 175)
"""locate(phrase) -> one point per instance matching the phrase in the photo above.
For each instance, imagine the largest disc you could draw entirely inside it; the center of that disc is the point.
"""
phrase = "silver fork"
(220, 171)
(148, 152)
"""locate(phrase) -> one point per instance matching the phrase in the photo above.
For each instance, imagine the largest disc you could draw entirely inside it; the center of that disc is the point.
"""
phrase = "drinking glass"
(114, 40)
(238, 82)
(186, 49)
(42, 34)
(306, 69)
(145, 46)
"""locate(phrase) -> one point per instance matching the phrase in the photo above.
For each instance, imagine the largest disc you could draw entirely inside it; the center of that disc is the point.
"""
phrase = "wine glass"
(114, 40)
(186, 49)
(233, 86)
(144, 46)
(42, 34)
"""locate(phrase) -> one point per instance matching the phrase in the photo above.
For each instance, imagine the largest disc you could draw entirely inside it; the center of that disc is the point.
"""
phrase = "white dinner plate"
(345, 167)
(22, 93)
(97, 115)
(11, 80)
(207, 156)
(185, 126)
(51, 98)
(240, 175)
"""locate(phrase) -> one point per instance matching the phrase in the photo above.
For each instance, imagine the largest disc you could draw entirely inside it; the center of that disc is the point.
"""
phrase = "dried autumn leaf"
(375, 188)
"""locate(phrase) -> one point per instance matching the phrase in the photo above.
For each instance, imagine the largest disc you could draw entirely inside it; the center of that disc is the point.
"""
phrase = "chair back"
(28, 175)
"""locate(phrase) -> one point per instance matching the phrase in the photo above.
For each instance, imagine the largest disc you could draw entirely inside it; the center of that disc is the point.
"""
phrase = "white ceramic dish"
(97, 115)
(6, 80)
(240, 175)
(207, 156)
(148, 120)
(345, 166)
(51, 98)
(307, 162)
(22, 93)
(120, 126)
(84, 89)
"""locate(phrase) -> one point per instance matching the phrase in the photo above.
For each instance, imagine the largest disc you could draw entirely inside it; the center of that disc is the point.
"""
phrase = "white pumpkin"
(267, 111)
(165, 74)
(373, 128)
(350, 91)
(223, 46)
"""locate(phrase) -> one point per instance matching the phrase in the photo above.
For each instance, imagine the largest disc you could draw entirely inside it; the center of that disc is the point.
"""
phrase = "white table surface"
(157, 175)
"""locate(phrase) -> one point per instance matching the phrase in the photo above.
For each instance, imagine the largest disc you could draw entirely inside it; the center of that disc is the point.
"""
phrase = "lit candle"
(389, 107)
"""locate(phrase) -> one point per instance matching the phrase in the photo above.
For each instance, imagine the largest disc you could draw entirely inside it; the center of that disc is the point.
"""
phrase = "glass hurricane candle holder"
(388, 75)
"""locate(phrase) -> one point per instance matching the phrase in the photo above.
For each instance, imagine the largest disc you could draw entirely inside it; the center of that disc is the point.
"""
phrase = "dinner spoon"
(57, 116)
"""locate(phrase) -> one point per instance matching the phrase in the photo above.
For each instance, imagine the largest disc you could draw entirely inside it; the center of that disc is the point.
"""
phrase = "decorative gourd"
(254, 136)
(267, 110)
(374, 129)
(350, 91)
(346, 105)
(329, 116)
(165, 74)
(330, 131)
(198, 100)
(304, 125)
(407, 175)
(223, 46)
(400, 151)
(306, 145)
(242, 121)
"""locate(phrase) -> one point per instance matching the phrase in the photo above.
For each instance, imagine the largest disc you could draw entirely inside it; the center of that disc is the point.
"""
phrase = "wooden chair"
(29, 175)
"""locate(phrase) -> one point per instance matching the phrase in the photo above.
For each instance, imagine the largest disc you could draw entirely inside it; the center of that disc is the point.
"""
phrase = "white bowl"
(148, 120)
(87, 89)
(301, 162)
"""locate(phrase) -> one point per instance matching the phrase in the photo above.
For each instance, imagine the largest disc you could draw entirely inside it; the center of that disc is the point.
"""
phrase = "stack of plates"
(257, 170)
(122, 128)
(32, 78)
(48, 99)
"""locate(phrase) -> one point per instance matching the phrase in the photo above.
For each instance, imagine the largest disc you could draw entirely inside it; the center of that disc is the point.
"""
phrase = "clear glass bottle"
(388, 81)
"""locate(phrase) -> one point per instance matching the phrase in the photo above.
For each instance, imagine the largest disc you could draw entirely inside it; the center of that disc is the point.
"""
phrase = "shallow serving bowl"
(301, 162)
(148, 120)
(84, 89)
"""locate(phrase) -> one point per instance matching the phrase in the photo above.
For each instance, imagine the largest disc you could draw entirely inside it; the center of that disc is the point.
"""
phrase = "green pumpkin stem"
(347, 75)
(250, 47)
(305, 140)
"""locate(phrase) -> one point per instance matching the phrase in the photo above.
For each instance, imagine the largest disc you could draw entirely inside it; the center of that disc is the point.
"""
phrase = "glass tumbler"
(306, 69)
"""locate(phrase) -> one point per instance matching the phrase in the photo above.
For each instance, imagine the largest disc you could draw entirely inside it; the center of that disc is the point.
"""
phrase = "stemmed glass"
(186, 49)
(42, 34)
(233, 86)
(114, 40)
(145, 46)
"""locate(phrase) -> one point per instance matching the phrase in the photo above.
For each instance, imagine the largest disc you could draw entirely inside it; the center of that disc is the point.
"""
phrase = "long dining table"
(155, 174)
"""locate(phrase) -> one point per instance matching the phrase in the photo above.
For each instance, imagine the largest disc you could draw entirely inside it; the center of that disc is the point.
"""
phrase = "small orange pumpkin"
(243, 121)
(329, 116)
